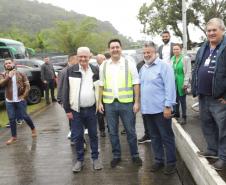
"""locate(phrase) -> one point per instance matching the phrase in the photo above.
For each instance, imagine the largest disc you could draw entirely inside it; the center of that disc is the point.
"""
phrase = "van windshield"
(20, 50)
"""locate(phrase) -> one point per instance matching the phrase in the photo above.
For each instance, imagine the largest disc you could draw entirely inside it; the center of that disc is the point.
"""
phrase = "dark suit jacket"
(171, 50)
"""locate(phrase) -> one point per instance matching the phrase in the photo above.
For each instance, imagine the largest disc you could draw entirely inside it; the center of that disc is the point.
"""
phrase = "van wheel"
(34, 96)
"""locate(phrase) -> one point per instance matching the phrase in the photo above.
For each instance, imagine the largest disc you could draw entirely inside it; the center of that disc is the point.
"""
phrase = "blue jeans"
(162, 138)
(125, 112)
(13, 110)
(213, 122)
(85, 118)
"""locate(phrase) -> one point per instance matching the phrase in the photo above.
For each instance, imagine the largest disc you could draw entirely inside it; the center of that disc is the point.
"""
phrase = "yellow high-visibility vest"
(125, 85)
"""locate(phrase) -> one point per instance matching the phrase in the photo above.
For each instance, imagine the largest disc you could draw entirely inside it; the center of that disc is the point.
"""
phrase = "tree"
(167, 14)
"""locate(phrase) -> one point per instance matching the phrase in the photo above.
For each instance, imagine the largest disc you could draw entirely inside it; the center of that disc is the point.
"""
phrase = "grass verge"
(30, 109)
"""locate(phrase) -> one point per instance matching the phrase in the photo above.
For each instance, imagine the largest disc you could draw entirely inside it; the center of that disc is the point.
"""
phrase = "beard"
(149, 61)
(166, 41)
(10, 68)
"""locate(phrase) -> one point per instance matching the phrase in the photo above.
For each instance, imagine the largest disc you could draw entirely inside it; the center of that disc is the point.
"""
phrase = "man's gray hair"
(217, 21)
(83, 49)
(150, 44)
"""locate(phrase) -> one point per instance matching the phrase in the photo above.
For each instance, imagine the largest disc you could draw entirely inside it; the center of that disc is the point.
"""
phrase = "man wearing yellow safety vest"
(119, 90)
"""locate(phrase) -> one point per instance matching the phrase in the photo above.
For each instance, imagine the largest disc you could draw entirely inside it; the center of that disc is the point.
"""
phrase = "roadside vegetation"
(30, 108)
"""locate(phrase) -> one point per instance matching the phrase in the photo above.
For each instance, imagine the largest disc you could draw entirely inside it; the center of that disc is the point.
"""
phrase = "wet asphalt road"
(48, 159)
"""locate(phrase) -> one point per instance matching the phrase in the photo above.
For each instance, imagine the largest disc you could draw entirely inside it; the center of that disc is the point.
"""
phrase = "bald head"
(100, 58)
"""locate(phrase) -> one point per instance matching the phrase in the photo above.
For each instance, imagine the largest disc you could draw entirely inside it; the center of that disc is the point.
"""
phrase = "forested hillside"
(34, 16)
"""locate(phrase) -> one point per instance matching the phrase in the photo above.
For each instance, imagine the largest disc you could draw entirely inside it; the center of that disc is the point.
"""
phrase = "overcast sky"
(121, 13)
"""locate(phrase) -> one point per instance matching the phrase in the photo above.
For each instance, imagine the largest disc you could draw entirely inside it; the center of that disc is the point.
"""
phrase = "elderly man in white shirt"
(79, 103)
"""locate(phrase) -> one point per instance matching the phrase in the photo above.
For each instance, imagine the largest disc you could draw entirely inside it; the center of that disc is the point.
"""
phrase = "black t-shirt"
(206, 71)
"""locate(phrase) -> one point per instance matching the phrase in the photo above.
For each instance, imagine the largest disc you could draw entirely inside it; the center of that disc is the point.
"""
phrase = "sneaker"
(77, 167)
(219, 165)
(137, 161)
(156, 167)
(115, 162)
(8, 125)
(144, 139)
(97, 164)
(11, 141)
(69, 135)
(170, 169)
(183, 121)
(19, 122)
(207, 154)
(33, 133)
(123, 132)
(102, 134)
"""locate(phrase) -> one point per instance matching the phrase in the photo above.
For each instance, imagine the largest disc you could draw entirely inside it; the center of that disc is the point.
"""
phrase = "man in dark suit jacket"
(166, 50)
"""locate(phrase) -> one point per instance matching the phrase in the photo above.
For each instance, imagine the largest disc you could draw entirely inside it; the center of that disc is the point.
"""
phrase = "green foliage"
(166, 14)
(48, 28)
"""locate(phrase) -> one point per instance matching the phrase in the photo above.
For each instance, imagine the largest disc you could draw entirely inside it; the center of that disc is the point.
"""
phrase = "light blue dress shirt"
(157, 87)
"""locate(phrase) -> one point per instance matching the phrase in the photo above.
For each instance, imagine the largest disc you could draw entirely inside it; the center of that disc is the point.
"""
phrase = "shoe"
(69, 135)
(156, 167)
(11, 141)
(33, 133)
(19, 122)
(219, 165)
(123, 132)
(144, 139)
(8, 125)
(77, 167)
(137, 161)
(183, 121)
(97, 164)
(102, 134)
(207, 154)
(170, 169)
(115, 162)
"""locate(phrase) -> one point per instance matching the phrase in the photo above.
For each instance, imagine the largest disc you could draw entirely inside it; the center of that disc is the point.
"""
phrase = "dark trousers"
(49, 86)
(85, 118)
(181, 101)
(213, 123)
(162, 138)
(100, 118)
(13, 108)
(146, 133)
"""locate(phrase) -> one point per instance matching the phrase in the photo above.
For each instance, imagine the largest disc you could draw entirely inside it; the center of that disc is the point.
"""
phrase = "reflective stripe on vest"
(125, 89)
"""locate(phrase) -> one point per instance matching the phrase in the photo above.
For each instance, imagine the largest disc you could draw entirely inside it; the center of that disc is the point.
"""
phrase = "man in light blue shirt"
(158, 96)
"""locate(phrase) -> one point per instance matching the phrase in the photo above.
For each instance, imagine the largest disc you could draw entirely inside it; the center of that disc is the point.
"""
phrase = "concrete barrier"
(199, 167)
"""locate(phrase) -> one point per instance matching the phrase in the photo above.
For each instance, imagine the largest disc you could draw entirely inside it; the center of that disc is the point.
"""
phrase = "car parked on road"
(59, 60)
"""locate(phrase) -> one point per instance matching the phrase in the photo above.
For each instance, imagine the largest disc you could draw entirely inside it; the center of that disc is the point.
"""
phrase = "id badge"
(207, 62)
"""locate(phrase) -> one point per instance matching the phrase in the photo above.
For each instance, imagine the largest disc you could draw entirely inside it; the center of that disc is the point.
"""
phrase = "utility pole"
(184, 21)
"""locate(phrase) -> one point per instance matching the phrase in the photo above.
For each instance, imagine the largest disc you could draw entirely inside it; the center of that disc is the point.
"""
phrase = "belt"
(82, 108)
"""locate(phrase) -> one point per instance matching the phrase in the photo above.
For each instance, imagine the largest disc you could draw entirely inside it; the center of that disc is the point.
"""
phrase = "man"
(119, 90)
(146, 138)
(48, 78)
(100, 116)
(208, 83)
(72, 60)
(17, 88)
(158, 96)
(79, 104)
(166, 50)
